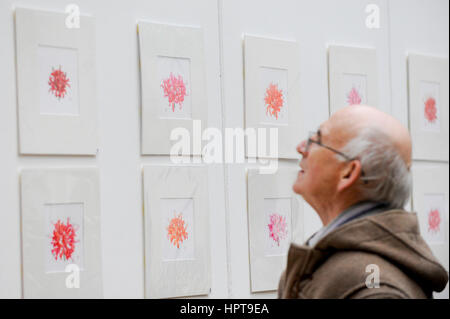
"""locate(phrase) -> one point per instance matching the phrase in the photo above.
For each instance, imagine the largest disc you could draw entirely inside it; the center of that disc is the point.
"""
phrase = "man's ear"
(350, 174)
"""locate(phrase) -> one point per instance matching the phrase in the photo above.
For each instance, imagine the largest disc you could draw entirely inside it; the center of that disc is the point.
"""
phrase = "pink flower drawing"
(434, 220)
(430, 110)
(353, 97)
(277, 227)
(174, 89)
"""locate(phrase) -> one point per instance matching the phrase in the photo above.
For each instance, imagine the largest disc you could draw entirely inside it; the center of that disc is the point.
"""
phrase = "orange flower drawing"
(274, 100)
(176, 231)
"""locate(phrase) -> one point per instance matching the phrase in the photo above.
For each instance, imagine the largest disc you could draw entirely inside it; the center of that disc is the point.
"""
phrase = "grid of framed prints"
(57, 115)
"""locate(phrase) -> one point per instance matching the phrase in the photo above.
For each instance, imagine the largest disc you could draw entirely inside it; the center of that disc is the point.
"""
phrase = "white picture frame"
(171, 194)
(272, 91)
(352, 76)
(173, 84)
(271, 226)
(430, 203)
(57, 105)
(428, 106)
(61, 204)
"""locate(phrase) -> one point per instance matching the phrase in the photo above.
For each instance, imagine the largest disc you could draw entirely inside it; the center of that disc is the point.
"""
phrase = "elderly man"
(355, 173)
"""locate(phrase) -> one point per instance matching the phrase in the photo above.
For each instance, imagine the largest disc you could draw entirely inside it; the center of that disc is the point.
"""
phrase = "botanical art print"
(434, 221)
(430, 112)
(353, 97)
(58, 83)
(432, 226)
(273, 100)
(174, 89)
(355, 89)
(64, 237)
(277, 228)
(176, 231)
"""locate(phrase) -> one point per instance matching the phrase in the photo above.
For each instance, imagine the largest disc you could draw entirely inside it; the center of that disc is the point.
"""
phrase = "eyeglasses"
(319, 142)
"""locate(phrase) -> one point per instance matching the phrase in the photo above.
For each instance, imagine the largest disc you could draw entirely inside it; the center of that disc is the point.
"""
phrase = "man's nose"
(301, 148)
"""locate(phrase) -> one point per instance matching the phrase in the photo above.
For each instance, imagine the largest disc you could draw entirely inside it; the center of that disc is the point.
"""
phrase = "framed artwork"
(272, 90)
(61, 233)
(177, 250)
(57, 105)
(352, 75)
(173, 84)
(430, 202)
(428, 106)
(274, 215)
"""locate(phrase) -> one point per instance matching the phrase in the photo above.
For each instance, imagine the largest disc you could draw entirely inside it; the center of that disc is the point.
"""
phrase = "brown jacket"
(336, 266)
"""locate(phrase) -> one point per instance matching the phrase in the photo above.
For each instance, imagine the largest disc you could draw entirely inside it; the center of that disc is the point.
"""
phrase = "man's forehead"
(335, 130)
(324, 128)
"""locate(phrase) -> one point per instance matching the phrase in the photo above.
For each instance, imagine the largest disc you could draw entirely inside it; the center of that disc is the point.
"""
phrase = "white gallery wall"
(419, 26)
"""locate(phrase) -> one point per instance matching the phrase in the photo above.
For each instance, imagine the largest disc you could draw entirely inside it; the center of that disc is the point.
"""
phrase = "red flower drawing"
(176, 231)
(58, 82)
(63, 240)
(175, 90)
(353, 97)
(277, 228)
(430, 110)
(434, 220)
(273, 100)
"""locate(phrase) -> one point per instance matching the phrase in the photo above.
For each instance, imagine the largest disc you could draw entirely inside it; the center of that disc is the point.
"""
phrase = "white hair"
(387, 178)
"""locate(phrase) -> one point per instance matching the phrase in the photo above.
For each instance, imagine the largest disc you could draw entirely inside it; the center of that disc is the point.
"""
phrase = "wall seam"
(388, 13)
(225, 168)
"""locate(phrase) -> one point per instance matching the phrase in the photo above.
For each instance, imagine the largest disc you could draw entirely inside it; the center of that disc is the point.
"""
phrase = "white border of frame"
(428, 145)
(71, 185)
(48, 133)
(265, 271)
(279, 54)
(169, 41)
(176, 278)
(351, 60)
